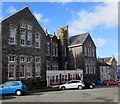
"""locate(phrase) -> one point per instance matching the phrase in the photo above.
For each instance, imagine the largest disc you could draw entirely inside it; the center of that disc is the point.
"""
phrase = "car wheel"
(63, 88)
(80, 87)
(108, 84)
(18, 92)
(91, 86)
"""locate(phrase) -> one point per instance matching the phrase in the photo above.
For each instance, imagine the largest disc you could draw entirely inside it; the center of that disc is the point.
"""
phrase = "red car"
(111, 82)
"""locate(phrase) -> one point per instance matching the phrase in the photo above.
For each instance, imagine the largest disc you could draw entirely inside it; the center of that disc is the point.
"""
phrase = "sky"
(100, 19)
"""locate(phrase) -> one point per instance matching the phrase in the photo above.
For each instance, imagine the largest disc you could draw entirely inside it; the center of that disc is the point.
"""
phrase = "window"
(29, 70)
(14, 84)
(29, 59)
(48, 48)
(37, 60)
(53, 49)
(55, 66)
(29, 67)
(11, 71)
(22, 59)
(37, 41)
(65, 77)
(6, 84)
(93, 52)
(37, 70)
(29, 38)
(11, 66)
(29, 27)
(48, 65)
(56, 50)
(85, 50)
(12, 35)
(57, 78)
(12, 58)
(23, 25)
(23, 38)
(65, 51)
(22, 71)
(37, 67)
(86, 69)
(94, 70)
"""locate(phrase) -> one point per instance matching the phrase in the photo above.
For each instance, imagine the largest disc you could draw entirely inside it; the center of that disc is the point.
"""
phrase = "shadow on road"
(8, 97)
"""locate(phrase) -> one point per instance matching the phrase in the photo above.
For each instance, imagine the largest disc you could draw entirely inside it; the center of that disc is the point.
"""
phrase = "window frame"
(37, 40)
(12, 35)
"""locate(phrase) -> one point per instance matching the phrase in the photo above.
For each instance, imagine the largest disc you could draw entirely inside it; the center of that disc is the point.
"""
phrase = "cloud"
(11, 9)
(105, 14)
(99, 42)
(39, 16)
(46, 20)
(60, 1)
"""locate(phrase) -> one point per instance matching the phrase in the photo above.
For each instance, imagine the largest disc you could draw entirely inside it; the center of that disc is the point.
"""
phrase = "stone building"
(57, 59)
(23, 49)
(111, 61)
(38, 58)
(104, 72)
(82, 55)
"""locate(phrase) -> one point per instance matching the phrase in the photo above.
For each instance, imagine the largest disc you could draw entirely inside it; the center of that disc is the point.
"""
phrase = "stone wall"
(7, 49)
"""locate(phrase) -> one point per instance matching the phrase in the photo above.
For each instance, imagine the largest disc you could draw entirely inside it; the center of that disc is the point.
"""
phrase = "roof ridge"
(31, 13)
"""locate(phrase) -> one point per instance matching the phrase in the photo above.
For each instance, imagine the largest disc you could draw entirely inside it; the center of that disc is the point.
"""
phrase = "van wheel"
(18, 92)
(63, 88)
(80, 87)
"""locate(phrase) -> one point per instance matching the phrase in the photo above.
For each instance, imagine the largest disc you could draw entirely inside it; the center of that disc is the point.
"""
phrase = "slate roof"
(78, 39)
(107, 59)
(102, 63)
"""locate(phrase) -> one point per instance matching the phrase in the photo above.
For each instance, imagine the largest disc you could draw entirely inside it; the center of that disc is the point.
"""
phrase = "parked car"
(15, 87)
(111, 82)
(72, 84)
(118, 80)
(89, 85)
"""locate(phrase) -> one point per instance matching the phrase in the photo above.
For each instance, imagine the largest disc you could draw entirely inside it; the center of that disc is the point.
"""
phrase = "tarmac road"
(98, 94)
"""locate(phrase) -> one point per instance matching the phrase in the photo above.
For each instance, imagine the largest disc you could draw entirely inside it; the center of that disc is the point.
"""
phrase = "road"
(98, 94)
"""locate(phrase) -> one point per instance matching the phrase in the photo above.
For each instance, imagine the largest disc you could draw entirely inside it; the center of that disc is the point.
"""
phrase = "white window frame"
(29, 27)
(55, 66)
(12, 61)
(29, 38)
(22, 58)
(24, 70)
(12, 35)
(37, 40)
(56, 50)
(37, 63)
(23, 25)
(48, 48)
(12, 58)
(29, 63)
(13, 71)
(53, 49)
(48, 65)
(23, 37)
